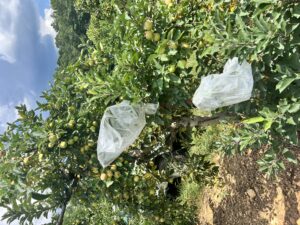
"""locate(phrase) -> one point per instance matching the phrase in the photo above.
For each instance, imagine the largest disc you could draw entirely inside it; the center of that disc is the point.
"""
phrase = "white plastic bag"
(120, 126)
(233, 86)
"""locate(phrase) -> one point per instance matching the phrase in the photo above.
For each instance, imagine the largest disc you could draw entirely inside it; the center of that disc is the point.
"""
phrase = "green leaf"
(192, 61)
(283, 84)
(39, 197)
(254, 120)
(164, 58)
(290, 121)
(109, 183)
(181, 64)
(289, 156)
(294, 108)
(268, 124)
(296, 11)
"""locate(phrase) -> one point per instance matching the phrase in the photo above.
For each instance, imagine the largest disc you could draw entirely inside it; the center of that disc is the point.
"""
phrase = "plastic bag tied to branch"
(120, 126)
(233, 86)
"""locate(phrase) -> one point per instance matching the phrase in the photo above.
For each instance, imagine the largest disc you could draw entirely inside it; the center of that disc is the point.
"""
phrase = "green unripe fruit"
(117, 174)
(148, 25)
(70, 142)
(26, 160)
(71, 124)
(185, 45)
(172, 69)
(109, 173)
(169, 2)
(93, 129)
(149, 35)
(136, 179)
(50, 145)
(126, 196)
(72, 109)
(86, 147)
(76, 138)
(181, 64)
(91, 143)
(152, 192)
(113, 167)
(63, 144)
(95, 123)
(103, 176)
(82, 150)
(156, 37)
(52, 138)
(173, 45)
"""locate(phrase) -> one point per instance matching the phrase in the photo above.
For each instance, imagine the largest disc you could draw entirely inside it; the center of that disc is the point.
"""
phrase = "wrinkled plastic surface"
(233, 86)
(120, 126)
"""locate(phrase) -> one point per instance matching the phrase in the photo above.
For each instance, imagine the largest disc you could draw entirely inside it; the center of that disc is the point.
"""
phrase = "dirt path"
(245, 197)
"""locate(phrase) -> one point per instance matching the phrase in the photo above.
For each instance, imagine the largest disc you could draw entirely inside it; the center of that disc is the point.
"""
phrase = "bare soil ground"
(244, 196)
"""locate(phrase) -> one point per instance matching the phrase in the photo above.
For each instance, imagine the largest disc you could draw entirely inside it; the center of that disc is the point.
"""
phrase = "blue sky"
(28, 54)
(28, 58)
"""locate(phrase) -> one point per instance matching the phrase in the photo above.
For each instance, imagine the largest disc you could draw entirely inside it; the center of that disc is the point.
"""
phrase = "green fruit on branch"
(173, 45)
(70, 142)
(50, 145)
(95, 170)
(93, 129)
(63, 144)
(169, 2)
(126, 196)
(113, 167)
(152, 192)
(117, 174)
(103, 176)
(40, 157)
(71, 124)
(156, 37)
(185, 45)
(136, 179)
(26, 160)
(172, 68)
(109, 173)
(149, 35)
(52, 138)
(71, 109)
(148, 25)
(105, 60)
(91, 143)
(76, 138)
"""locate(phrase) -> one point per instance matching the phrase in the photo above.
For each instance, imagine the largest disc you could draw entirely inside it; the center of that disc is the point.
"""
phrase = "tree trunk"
(68, 196)
(62, 214)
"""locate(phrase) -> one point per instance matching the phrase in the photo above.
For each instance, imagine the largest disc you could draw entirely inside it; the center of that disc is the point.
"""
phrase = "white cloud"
(46, 27)
(8, 13)
(8, 112)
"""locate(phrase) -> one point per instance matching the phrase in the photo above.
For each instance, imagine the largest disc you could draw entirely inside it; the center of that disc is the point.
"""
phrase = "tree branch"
(195, 121)
(69, 193)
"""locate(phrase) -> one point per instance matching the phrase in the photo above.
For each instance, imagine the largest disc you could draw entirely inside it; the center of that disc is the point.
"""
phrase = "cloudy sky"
(27, 57)
(27, 54)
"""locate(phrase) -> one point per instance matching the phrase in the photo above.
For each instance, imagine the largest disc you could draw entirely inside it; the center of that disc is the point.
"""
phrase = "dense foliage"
(71, 27)
(151, 51)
